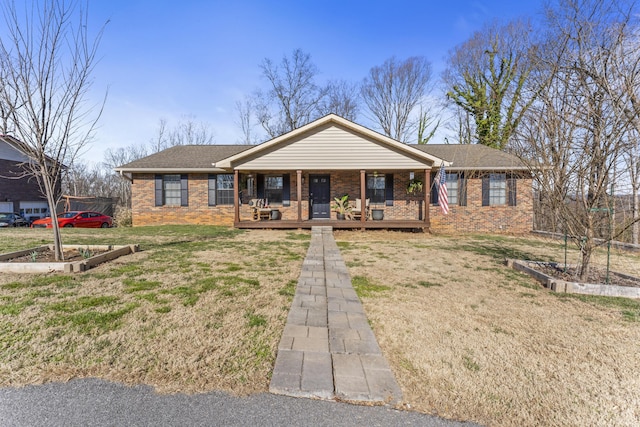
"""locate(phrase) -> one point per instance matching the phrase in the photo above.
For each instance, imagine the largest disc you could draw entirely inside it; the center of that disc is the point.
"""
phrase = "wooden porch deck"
(336, 224)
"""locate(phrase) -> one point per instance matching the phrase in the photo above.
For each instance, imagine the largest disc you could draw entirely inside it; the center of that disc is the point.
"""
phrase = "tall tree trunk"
(635, 230)
(586, 249)
(50, 193)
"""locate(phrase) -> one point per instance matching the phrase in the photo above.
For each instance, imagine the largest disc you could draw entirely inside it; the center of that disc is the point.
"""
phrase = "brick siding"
(493, 219)
(471, 218)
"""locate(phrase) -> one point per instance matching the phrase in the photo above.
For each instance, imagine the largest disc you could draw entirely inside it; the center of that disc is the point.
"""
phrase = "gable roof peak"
(329, 119)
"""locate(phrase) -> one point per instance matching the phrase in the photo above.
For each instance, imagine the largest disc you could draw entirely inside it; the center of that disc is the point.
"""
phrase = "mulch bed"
(597, 275)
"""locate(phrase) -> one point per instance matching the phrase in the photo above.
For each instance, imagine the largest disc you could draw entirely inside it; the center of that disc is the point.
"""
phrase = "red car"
(84, 219)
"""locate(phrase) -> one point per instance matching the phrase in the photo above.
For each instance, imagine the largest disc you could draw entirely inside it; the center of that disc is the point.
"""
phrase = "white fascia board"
(171, 170)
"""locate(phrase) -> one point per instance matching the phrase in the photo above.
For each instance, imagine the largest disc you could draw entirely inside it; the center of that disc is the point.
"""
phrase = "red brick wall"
(471, 218)
(495, 219)
(145, 212)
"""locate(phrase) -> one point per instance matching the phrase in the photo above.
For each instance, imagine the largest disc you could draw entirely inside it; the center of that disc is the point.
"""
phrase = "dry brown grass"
(188, 314)
(470, 339)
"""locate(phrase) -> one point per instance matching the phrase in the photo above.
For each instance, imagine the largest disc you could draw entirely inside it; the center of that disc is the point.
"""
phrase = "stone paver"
(328, 349)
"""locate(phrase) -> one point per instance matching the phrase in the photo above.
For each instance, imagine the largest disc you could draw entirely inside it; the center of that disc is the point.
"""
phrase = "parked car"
(84, 219)
(12, 220)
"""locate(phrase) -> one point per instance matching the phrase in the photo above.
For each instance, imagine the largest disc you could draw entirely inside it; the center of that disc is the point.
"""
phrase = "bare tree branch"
(293, 96)
(245, 111)
(393, 90)
(341, 99)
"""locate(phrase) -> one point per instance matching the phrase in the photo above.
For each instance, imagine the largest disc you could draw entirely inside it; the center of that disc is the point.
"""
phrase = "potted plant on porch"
(414, 187)
(341, 206)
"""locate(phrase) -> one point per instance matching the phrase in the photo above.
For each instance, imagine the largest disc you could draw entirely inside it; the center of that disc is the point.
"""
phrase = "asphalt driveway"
(94, 402)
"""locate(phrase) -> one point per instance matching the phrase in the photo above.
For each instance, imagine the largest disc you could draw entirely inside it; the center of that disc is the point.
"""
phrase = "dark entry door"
(319, 190)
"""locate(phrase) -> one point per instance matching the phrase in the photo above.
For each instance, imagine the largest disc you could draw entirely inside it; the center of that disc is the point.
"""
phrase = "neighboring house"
(19, 192)
(299, 174)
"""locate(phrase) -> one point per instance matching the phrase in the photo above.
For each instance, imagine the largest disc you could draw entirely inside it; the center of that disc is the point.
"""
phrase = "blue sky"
(169, 59)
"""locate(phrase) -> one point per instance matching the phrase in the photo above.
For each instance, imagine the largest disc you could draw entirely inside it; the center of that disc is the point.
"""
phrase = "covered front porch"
(308, 197)
(301, 172)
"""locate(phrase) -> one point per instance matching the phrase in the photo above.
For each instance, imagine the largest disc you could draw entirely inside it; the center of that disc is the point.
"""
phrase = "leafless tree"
(458, 123)
(486, 77)
(632, 163)
(427, 126)
(188, 131)
(575, 134)
(191, 132)
(6, 108)
(341, 99)
(47, 56)
(121, 186)
(619, 76)
(159, 141)
(245, 111)
(89, 180)
(392, 92)
(293, 96)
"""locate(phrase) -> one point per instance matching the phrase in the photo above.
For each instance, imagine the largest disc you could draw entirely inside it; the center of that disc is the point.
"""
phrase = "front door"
(319, 196)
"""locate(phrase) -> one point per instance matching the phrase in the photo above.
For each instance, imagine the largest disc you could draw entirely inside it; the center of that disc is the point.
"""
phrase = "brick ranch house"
(299, 173)
(19, 191)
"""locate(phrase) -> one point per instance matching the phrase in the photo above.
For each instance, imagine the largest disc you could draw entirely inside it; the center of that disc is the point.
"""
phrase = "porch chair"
(356, 212)
(260, 211)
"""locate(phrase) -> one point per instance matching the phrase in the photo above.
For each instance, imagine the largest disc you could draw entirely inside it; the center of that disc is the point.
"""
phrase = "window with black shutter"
(221, 189)
(275, 189)
(496, 190)
(376, 188)
(184, 190)
(512, 190)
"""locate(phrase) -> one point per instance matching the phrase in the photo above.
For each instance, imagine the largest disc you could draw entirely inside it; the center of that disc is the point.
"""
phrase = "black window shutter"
(388, 189)
(485, 190)
(434, 189)
(260, 186)
(462, 189)
(286, 190)
(511, 188)
(212, 189)
(158, 190)
(184, 190)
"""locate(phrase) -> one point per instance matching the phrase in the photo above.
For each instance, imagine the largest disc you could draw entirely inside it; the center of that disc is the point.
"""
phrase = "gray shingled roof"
(472, 156)
(184, 157)
(200, 157)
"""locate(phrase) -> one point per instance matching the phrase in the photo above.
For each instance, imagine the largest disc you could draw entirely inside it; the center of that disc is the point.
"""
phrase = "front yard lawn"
(203, 308)
(469, 338)
(200, 308)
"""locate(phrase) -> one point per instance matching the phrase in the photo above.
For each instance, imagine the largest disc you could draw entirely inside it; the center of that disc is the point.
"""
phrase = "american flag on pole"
(443, 197)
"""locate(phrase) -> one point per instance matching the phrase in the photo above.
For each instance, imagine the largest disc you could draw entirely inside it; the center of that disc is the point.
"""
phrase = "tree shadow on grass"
(499, 252)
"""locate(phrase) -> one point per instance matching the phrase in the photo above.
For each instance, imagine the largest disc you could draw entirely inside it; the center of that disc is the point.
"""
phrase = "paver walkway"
(328, 349)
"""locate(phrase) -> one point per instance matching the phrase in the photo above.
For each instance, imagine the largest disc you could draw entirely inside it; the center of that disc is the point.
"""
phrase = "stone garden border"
(113, 252)
(558, 285)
